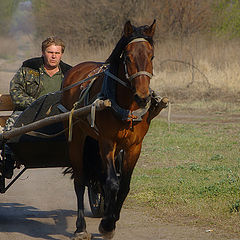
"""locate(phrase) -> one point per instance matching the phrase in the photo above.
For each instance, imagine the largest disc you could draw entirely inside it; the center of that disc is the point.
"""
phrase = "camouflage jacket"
(26, 85)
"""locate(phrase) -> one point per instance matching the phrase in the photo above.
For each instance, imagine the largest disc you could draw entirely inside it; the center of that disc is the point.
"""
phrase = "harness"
(109, 91)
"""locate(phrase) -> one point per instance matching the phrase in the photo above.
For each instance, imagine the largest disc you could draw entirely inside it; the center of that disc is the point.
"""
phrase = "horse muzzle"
(142, 101)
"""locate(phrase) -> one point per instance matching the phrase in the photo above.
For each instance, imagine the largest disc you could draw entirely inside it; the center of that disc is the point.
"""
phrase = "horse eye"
(152, 58)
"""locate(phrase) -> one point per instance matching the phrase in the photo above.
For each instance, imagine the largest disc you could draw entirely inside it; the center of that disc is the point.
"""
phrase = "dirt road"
(42, 205)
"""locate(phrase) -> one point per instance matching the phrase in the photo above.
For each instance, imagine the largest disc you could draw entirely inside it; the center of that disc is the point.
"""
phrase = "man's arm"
(21, 99)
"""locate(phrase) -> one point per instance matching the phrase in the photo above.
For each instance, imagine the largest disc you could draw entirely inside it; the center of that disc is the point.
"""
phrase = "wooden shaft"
(100, 105)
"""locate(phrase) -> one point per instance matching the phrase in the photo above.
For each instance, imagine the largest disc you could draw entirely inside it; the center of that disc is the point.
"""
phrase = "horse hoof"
(106, 235)
(82, 236)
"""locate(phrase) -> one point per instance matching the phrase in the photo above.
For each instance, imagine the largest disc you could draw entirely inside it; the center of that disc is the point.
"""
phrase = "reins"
(108, 73)
(82, 81)
(105, 71)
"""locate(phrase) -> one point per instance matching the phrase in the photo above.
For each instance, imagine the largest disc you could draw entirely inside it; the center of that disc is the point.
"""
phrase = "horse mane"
(138, 32)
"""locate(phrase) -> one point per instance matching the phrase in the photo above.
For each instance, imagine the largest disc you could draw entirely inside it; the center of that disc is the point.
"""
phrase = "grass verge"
(191, 174)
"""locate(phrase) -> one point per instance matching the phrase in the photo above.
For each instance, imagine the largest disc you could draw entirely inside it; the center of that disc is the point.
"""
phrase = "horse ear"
(151, 30)
(128, 29)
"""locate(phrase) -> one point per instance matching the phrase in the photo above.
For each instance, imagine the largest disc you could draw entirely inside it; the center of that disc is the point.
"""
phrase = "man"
(36, 77)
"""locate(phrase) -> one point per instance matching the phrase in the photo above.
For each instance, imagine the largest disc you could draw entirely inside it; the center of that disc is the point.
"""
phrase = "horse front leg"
(111, 187)
(128, 163)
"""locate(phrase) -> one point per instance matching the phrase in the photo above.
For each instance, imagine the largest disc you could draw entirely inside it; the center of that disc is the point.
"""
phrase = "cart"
(38, 140)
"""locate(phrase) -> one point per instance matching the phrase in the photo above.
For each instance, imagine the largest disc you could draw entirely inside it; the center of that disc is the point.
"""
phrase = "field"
(189, 169)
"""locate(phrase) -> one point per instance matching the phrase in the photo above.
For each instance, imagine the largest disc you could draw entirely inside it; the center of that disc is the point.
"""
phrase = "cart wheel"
(96, 200)
(95, 194)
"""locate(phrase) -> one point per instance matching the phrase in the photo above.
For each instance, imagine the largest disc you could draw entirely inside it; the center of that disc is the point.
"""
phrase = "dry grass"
(198, 68)
(87, 53)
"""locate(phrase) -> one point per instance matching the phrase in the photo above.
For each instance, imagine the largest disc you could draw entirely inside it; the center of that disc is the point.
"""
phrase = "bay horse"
(121, 127)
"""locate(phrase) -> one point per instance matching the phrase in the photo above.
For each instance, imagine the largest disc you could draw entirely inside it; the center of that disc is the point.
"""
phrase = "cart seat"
(50, 149)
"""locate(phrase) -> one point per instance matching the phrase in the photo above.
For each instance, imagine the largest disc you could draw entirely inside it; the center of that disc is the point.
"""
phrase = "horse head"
(137, 60)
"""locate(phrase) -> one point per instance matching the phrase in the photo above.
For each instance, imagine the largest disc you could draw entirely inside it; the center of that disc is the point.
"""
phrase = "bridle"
(131, 77)
(134, 75)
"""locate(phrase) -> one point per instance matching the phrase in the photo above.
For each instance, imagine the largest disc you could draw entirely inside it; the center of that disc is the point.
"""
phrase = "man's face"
(52, 56)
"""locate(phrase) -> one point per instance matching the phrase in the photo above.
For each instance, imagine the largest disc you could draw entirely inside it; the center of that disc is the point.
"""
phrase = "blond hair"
(53, 40)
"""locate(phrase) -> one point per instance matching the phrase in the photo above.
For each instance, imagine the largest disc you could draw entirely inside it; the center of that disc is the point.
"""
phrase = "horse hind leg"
(80, 233)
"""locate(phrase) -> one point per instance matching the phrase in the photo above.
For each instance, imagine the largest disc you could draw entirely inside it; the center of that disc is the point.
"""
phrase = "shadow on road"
(15, 217)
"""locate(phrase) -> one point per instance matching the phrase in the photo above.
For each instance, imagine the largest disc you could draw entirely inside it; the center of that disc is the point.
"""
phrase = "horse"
(93, 150)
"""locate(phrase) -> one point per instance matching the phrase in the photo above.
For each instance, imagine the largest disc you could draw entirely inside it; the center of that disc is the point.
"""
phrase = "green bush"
(227, 18)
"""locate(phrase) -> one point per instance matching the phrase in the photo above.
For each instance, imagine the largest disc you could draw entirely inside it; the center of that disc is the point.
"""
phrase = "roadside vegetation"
(190, 173)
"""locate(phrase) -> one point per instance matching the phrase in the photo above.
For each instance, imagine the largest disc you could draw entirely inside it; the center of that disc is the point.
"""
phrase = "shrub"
(227, 20)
